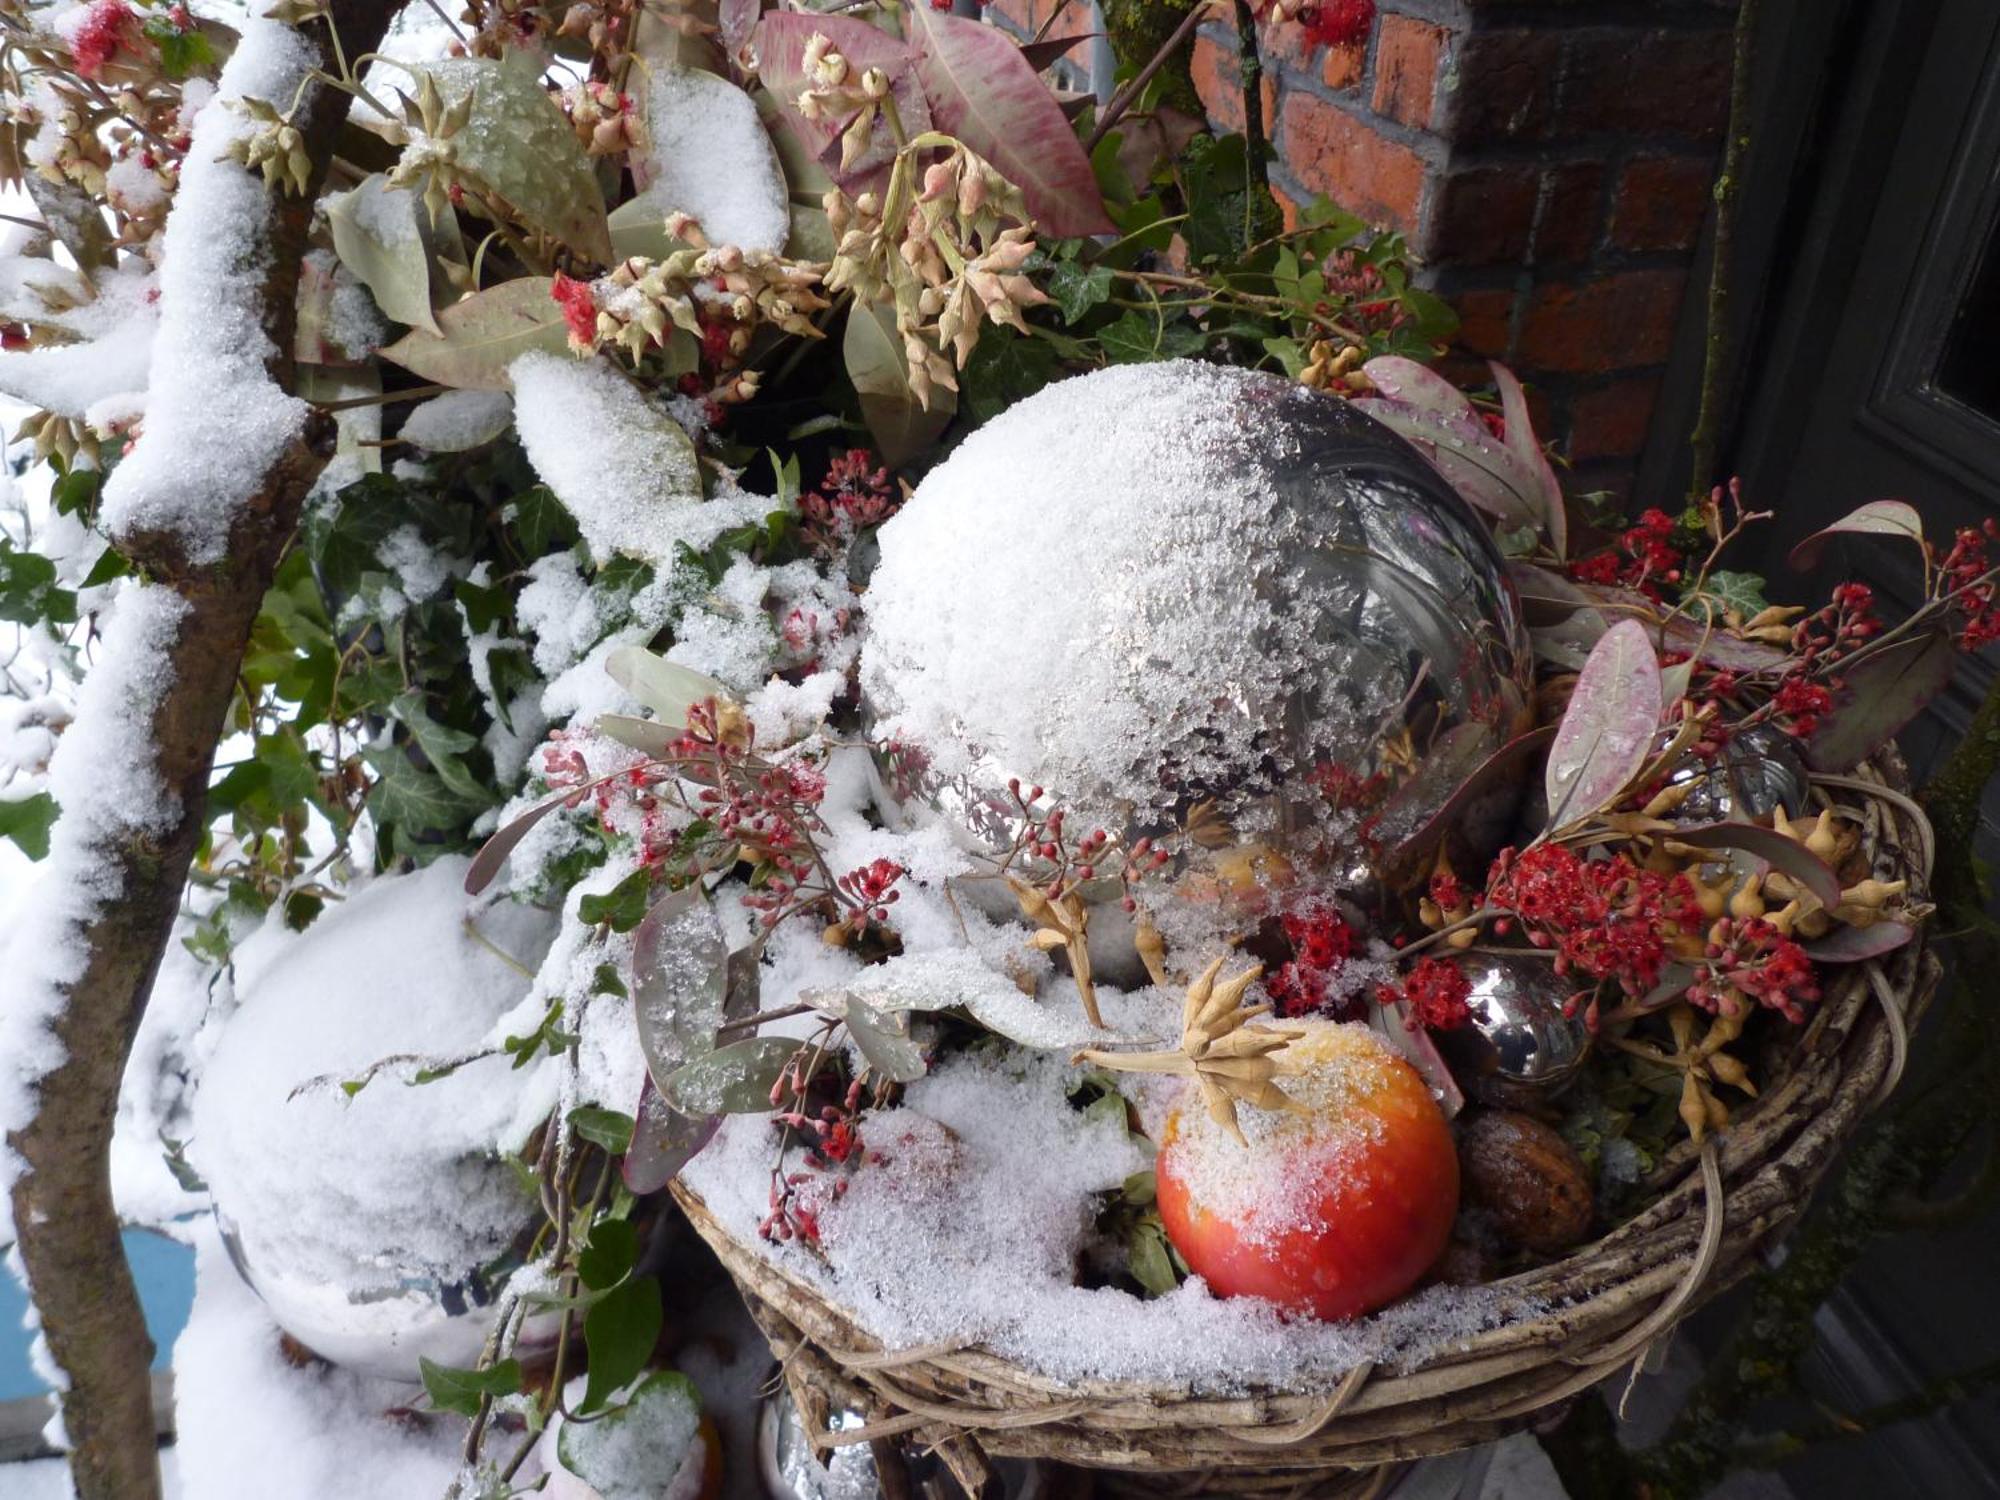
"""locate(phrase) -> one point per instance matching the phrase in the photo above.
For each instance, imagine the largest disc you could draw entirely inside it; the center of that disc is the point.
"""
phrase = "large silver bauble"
(1758, 772)
(379, 1228)
(791, 1470)
(1519, 1043)
(1179, 592)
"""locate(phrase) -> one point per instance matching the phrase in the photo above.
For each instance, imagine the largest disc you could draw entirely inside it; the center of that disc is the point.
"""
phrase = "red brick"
(1482, 215)
(1217, 82)
(1502, 86)
(1661, 202)
(1612, 422)
(1605, 323)
(1288, 206)
(1649, 81)
(1572, 208)
(1485, 323)
(1342, 67)
(1407, 56)
(1332, 152)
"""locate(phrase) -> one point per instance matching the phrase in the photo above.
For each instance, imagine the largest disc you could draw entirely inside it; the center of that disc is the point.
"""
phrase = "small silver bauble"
(1519, 1043)
(1758, 772)
(792, 1470)
(377, 1228)
(1180, 594)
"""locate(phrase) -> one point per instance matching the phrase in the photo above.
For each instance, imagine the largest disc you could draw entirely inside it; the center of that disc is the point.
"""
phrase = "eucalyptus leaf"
(885, 1042)
(666, 688)
(378, 235)
(484, 334)
(493, 853)
(1853, 945)
(1607, 732)
(663, 1141)
(647, 736)
(1882, 691)
(518, 146)
(679, 983)
(732, 1080)
(1876, 518)
(1780, 853)
(901, 425)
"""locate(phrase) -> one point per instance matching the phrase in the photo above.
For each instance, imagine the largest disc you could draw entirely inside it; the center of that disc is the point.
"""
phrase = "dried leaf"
(1607, 732)
(484, 334)
(984, 92)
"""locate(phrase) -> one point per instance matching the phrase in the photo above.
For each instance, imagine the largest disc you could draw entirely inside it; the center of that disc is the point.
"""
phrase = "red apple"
(1331, 1210)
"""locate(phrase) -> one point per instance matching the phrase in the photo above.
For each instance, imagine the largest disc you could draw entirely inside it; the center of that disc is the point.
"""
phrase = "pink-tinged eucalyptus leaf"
(984, 92)
(493, 853)
(737, 22)
(680, 981)
(1876, 518)
(1787, 856)
(1546, 594)
(1414, 1045)
(1413, 384)
(1521, 440)
(1607, 732)
(780, 42)
(1674, 682)
(1878, 695)
(663, 1141)
(1853, 945)
(1465, 451)
(1690, 637)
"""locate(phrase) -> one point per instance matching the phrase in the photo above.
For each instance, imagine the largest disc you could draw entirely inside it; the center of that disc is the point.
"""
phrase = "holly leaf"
(519, 147)
(984, 92)
(1607, 732)
(462, 1390)
(483, 334)
(901, 425)
(27, 821)
(620, 1330)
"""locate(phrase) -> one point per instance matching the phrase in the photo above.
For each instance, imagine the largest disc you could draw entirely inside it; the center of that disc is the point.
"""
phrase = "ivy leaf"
(1743, 592)
(1003, 371)
(623, 907)
(519, 146)
(414, 800)
(1150, 1257)
(1607, 731)
(1139, 337)
(28, 591)
(609, 1128)
(540, 521)
(379, 237)
(27, 821)
(599, 1455)
(1076, 288)
(611, 1254)
(482, 335)
(732, 1080)
(620, 1330)
(460, 1390)
(442, 746)
(901, 425)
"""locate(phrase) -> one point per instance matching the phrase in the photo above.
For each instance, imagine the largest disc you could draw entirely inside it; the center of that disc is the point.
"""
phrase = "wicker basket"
(1720, 1207)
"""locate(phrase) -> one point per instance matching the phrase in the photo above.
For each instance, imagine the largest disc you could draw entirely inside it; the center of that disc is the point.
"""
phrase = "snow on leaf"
(707, 155)
(732, 1080)
(518, 146)
(663, 1141)
(900, 424)
(679, 981)
(984, 92)
(637, 1448)
(483, 335)
(378, 236)
(457, 421)
(886, 1044)
(1607, 731)
(1876, 518)
(668, 689)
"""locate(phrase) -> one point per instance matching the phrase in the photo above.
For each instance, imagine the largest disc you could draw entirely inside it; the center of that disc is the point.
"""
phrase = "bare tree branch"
(133, 873)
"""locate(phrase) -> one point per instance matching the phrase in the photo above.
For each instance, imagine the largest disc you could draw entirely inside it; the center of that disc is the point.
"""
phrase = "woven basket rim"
(1606, 1303)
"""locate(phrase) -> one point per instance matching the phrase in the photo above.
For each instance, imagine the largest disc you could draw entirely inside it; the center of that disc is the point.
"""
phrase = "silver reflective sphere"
(1519, 1043)
(791, 1470)
(1176, 594)
(1758, 772)
(378, 1229)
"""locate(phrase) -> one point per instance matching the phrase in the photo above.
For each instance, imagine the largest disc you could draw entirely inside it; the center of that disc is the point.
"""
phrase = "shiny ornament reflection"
(1519, 1043)
(1758, 772)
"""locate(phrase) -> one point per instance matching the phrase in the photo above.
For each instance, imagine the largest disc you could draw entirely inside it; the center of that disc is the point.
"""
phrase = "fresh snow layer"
(707, 154)
(347, 1210)
(218, 422)
(457, 420)
(105, 779)
(971, 1227)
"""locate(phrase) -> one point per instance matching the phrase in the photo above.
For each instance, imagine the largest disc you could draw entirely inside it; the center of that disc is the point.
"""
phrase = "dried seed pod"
(1527, 1178)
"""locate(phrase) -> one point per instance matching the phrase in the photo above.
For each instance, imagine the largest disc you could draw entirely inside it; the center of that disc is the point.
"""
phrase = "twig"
(1727, 187)
(1122, 100)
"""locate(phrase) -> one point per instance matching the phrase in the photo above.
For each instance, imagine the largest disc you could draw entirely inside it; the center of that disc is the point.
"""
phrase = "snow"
(351, 1212)
(646, 1448)
(252, 1427)
(104, 777)
(69, 379)
(707, 155)
(972, 1228)
(215, 429)
(621, 466)
(457, 420)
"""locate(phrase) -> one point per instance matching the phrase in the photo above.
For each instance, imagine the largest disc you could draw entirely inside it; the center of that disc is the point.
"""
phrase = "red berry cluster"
(1753, 958)
(1605, 918)
(870, 891)
(1338, 23)
(579, 309)
(1965, 576)
(1819, 642)
(1644, 558)
(1437, 992)
(108, 27)
(832, 1137)
(1322, 942)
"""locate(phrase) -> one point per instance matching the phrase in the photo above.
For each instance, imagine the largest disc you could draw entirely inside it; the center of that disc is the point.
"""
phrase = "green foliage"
(609, 1128)
(462, 1391)
(29, 593)
(623, 907)
(620, 1330)
(27, 821)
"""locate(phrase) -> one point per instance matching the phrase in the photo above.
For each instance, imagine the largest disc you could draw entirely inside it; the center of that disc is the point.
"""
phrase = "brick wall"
(1550, 163)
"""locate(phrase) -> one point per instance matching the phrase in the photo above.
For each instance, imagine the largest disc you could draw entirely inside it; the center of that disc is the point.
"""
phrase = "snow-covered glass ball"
(1179, 594)
(381, 1227)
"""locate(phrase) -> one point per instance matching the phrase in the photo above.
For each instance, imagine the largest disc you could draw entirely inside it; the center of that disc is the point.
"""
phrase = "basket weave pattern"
(1609, 1301)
